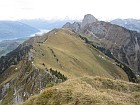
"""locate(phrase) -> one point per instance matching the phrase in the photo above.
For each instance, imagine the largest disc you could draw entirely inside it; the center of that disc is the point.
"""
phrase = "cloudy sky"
(73, 9)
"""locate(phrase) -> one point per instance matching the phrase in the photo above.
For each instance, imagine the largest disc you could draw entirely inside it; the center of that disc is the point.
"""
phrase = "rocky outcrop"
(123, 43)
(28, 81)
(25, 84)
(75, 26)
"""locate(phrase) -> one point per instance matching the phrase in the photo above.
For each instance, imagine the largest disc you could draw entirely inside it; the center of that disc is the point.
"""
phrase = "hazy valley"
(13, 33)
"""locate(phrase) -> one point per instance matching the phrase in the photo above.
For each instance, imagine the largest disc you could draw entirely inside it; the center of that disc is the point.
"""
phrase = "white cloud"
(102, 9)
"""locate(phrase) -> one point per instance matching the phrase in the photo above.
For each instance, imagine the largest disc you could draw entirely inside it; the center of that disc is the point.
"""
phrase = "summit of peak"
(88, 19)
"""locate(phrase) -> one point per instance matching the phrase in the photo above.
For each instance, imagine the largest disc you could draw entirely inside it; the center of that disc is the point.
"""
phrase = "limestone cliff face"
(123, 43)
(27, 82)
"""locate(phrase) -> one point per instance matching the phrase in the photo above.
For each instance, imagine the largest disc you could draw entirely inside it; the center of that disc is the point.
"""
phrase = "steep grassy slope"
(65, 51)
(89, 91)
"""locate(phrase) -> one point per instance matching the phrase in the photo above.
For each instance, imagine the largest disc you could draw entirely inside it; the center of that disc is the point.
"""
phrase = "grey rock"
(88, 19)
(78, 26)
(75, 26)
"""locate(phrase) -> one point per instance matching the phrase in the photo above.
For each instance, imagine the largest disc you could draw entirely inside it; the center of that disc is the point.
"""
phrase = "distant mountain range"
(15, 29)
(131, 24)
(24, 28)
(46, 24)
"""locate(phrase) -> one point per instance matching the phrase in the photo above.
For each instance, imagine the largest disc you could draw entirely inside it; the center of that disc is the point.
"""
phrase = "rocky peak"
(123, 43)
(67, 25)
(78, 26)
(88, 19)
(75, 26)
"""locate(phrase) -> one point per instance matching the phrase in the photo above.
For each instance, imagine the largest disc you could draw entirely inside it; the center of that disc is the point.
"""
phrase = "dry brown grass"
(89, 91)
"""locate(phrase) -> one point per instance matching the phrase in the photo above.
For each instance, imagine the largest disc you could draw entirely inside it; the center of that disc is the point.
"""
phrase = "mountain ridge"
(123, 43)
(52, 58)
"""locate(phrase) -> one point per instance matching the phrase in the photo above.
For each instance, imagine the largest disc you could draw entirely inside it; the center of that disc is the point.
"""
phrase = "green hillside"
(65, 51)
